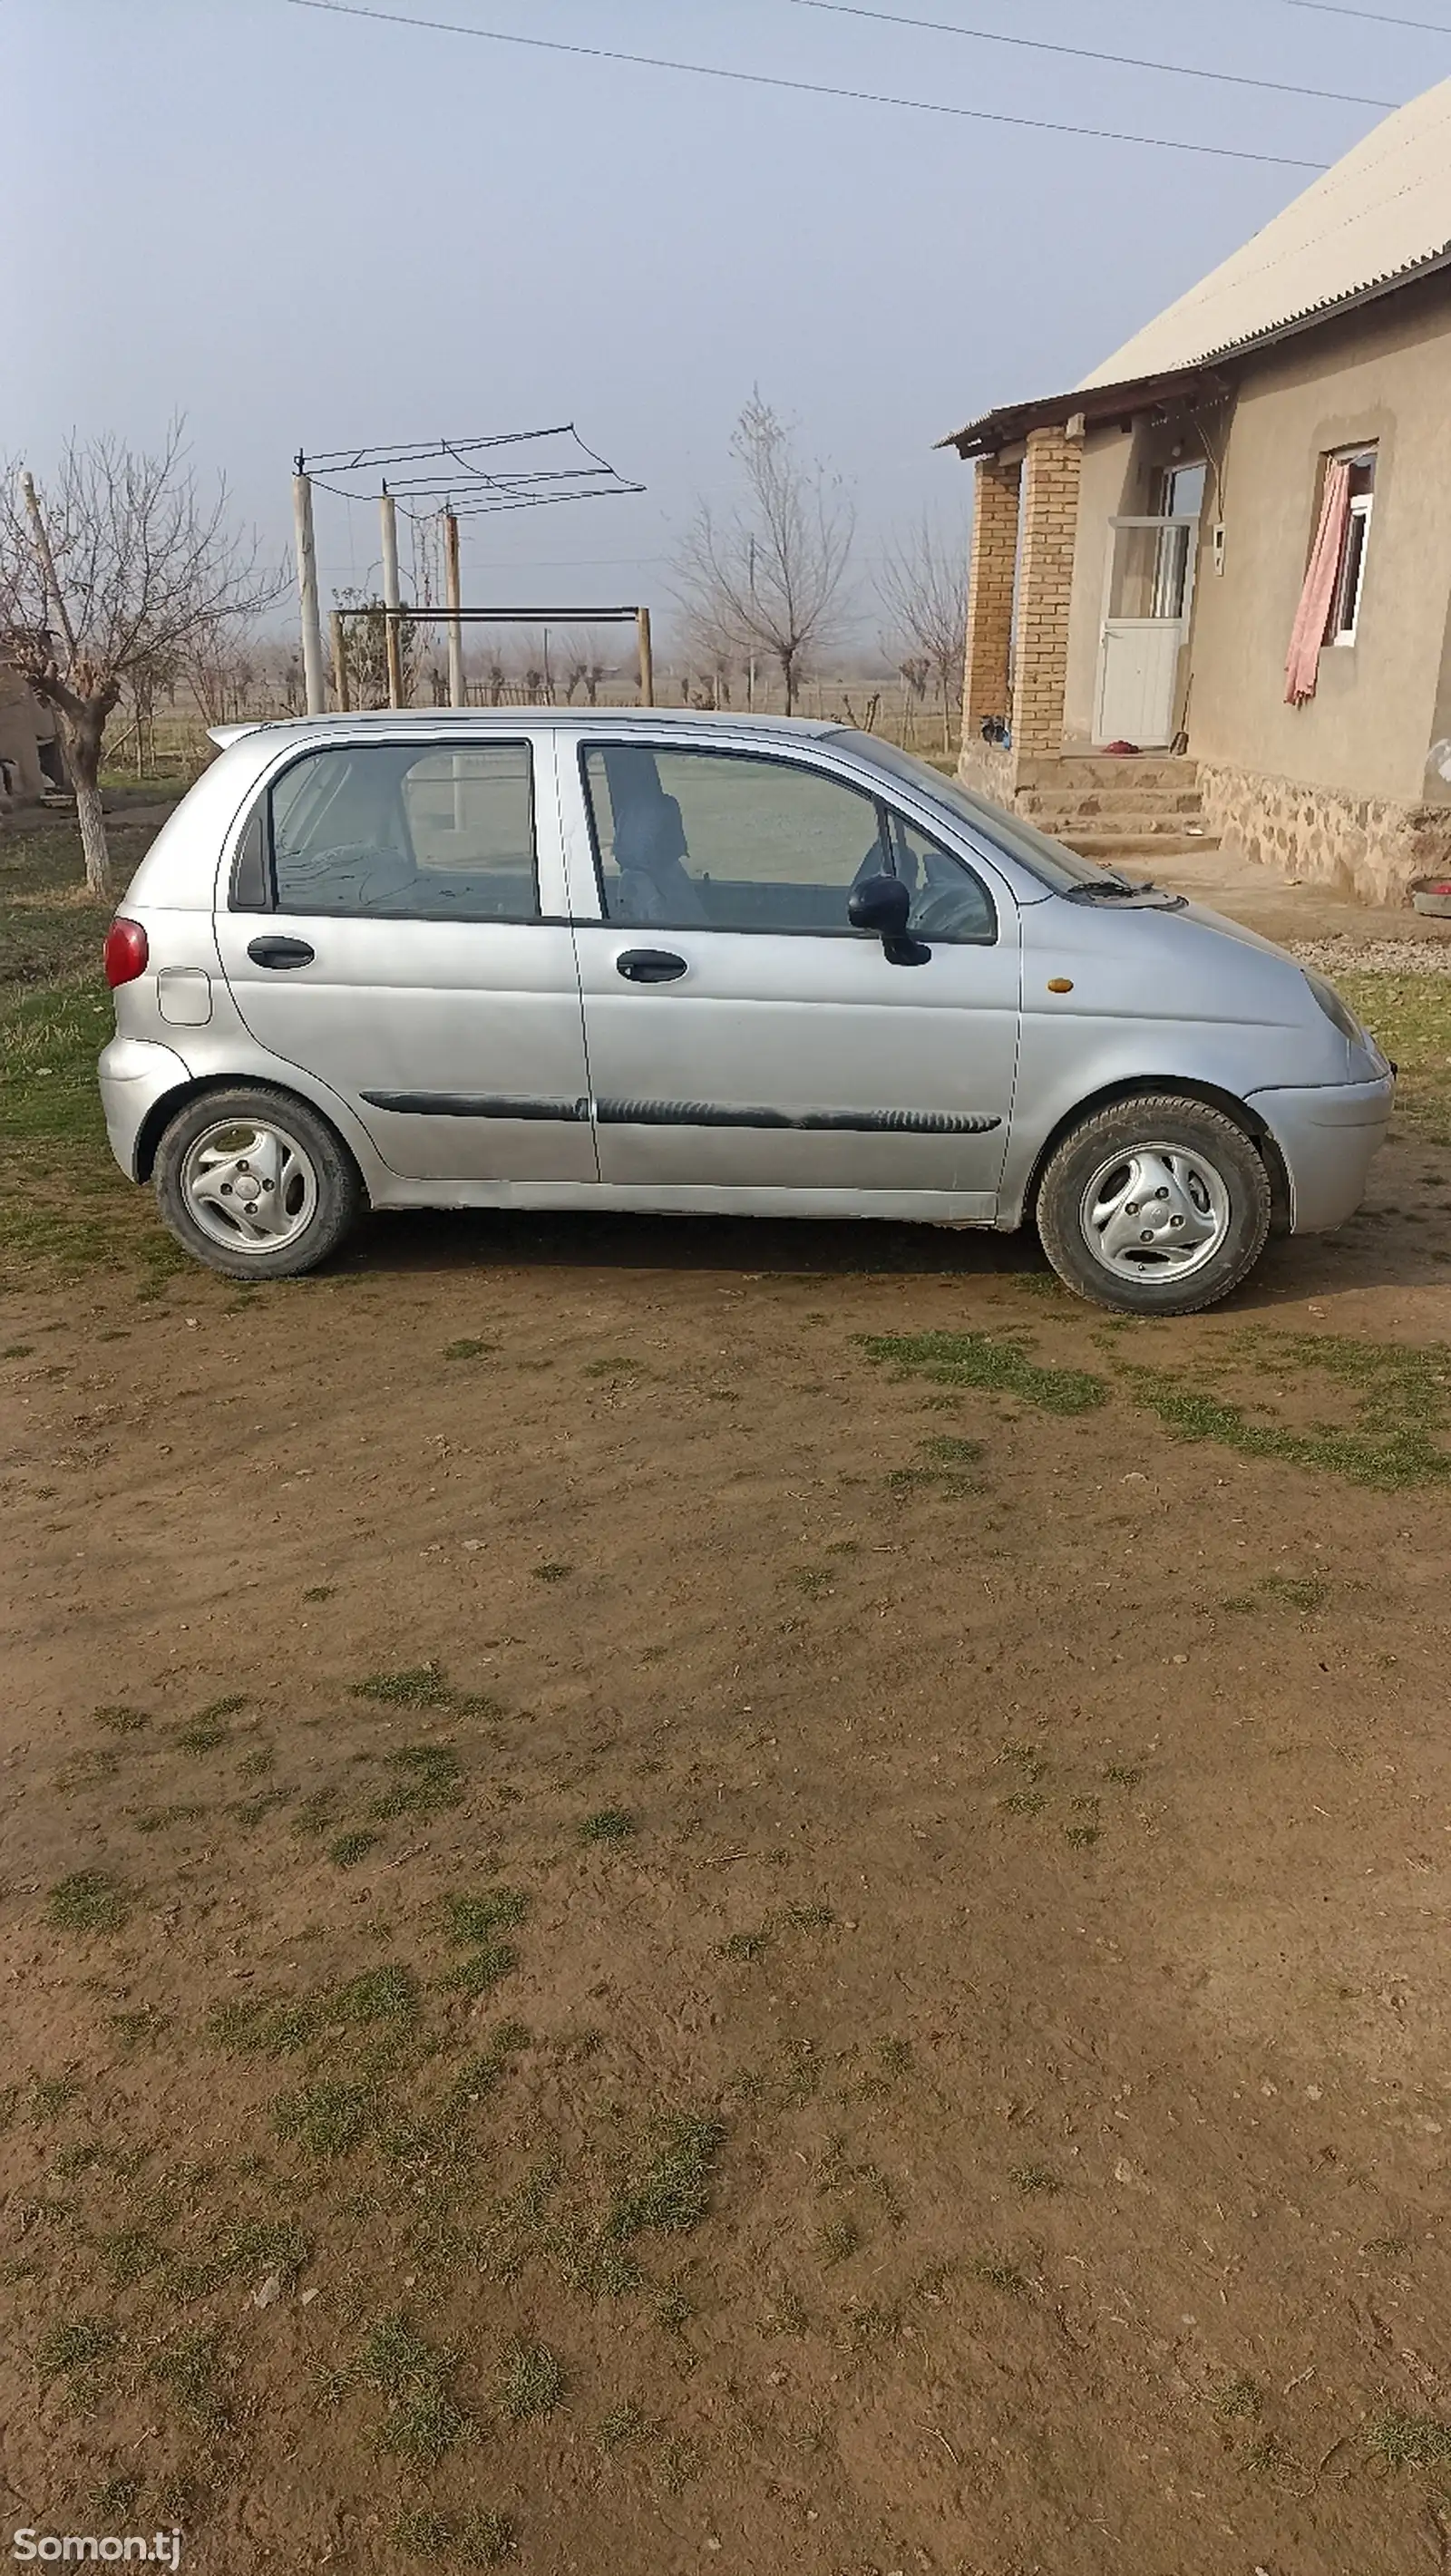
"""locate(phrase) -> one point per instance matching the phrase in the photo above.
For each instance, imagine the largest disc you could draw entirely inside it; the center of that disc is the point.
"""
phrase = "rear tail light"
(125, 953)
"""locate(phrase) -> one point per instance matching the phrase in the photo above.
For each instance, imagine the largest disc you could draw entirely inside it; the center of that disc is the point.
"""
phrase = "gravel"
(1374, 956)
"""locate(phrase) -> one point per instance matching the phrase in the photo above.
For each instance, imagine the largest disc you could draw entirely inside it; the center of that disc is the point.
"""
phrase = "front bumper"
(1327, 1137)
(134, 1075)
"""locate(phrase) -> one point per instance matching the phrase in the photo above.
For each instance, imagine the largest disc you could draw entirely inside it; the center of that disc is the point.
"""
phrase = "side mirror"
(883, 905)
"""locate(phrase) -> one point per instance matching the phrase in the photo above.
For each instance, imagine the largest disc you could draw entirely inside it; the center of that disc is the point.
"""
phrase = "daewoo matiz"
(543, 958)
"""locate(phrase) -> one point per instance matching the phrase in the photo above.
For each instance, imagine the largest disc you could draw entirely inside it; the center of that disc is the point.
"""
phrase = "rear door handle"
(280, 952)
(650, 965)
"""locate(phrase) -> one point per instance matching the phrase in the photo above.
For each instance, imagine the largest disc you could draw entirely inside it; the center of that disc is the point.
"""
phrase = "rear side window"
(399, 832)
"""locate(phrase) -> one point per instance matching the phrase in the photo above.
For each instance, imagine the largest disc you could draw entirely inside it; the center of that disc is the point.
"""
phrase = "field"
(690, 1894)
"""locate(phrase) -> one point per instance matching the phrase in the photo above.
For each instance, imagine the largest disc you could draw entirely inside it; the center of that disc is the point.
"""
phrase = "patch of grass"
(481, 2539)
(1410, 2441)
(188, 2367)
(256, 1764)
(481, 1917)
(1030, 2179)
(483, 1968)
(672, 2192)
(607, 1825)
(745, 1945)
(1023, 1802)
(427, 1778)
(348, 1849)
(467, 1349)
(997, 1365)
(531, 2383)
(481, 2072)
(1124, 1775)
(77, 2348)
(623, 2425)
(159, 1820)
(88, 1901)
(423, 1686)
(17, 1351)
(1400, 1393)
(1082, 1837)
(611, 1368)
(147, 2023)
(50, 2095)
(319, 1592)
(202, 1735)
(269, 2026)
(1409, 1015)
(552, 1571)
(120, 1720)
(999, 2274)
(840, 2238)
(788, 1918)
(422, 2420)
(1238, 2400)
(326, 2120)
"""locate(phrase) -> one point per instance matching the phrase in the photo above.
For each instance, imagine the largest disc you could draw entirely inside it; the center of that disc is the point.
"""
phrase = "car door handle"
(650, 965)
(280, 952)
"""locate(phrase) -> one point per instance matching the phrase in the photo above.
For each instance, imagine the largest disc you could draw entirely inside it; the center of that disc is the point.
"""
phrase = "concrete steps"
(1111, 808)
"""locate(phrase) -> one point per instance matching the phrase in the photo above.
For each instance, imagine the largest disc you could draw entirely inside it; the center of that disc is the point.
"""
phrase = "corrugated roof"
(1382, 211)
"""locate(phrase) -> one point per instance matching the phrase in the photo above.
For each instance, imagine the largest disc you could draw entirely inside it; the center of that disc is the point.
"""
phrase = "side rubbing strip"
(859, 1122)
(478, 1104)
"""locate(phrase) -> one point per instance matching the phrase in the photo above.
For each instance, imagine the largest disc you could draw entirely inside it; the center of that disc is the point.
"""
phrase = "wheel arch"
(1151, 1086)
(161, 1113)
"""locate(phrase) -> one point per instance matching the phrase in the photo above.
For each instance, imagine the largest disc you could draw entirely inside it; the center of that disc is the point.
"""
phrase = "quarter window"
(734, 841)
(402, 832)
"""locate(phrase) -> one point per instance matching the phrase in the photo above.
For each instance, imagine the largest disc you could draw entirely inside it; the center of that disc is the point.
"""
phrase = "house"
(1230, 547)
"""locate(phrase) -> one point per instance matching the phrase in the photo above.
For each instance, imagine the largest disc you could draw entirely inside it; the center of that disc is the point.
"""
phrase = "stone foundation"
(989, 767)
(1372, 849)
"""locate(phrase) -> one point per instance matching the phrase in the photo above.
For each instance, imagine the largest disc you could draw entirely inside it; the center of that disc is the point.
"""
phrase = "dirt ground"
(755, 1897)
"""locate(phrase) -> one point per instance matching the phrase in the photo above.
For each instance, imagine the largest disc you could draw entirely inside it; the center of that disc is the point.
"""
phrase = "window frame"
(259, 812)
(869, 795)
(1341, 629)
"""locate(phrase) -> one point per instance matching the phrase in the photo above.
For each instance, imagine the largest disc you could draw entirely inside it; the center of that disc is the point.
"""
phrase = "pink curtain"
(1302, 667)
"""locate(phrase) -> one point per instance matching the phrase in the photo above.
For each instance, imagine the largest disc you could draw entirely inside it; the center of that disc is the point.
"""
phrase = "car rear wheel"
(1157, 1206)
(255, 1184)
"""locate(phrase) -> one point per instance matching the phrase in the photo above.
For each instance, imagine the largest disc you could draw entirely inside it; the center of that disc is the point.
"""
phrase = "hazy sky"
(313, 230)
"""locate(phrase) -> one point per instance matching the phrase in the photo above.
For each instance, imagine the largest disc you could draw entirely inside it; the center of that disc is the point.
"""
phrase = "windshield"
(1048, 860)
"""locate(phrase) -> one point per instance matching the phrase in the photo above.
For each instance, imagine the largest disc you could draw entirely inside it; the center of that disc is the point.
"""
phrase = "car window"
(726, 840)
(949, 902)
(1045, 858)
(426, 832)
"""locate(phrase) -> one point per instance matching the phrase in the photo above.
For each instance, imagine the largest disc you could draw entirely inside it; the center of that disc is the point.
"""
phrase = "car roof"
(434, 720)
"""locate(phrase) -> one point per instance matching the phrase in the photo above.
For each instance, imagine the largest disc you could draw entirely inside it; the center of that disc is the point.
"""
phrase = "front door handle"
(280, 952)
(650, 965)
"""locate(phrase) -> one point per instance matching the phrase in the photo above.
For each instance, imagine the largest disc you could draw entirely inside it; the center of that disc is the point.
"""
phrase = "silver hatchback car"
(547, 958)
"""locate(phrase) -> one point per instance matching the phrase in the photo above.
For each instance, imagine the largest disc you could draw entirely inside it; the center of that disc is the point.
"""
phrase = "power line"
(1091, 53)
(1372, 17)
(813, 89)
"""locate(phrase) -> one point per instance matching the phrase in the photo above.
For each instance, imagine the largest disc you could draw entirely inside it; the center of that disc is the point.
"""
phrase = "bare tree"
(923, 587)
(768, 578)
(107, 578)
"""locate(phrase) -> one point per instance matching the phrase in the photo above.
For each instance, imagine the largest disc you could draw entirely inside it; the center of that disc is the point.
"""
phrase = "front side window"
(401, 831)
(735, 841)
(1354, 544)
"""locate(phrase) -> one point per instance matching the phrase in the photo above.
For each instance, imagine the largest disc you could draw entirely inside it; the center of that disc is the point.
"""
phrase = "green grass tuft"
(480, 1918)
(673, 2191)
(607, 1825)
(326, 2120)
(532, 2382)
(427, 1779)
(87, 1901)
(422, 2420)
(1411, 2441)
(121, 1721)
(998, 1366)
(348, 1849)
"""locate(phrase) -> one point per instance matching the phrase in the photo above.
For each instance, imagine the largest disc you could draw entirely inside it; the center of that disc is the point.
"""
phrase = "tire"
(1189, 1172)
(249, 1148)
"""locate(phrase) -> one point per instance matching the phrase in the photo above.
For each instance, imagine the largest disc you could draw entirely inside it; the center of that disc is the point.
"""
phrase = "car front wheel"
(1158, 1206)
(255, 1184)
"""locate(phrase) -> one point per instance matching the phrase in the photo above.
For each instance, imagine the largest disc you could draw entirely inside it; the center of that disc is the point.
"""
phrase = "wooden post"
(314, 682)
(392, 598)
(457, 693)
(647, 666)
(340, 662)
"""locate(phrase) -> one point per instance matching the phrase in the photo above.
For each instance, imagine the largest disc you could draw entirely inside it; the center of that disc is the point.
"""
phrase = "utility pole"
(392, 598)
(341, 690)
(647, 665)
(457, 694)
(314, 682)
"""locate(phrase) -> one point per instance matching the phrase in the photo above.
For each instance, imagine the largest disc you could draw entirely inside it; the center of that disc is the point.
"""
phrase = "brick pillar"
(990, 594)
(1045, 581)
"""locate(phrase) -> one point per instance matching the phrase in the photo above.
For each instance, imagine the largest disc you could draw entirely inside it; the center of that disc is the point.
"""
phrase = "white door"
(1148, 593)
(1138, 665)
(745, 1043)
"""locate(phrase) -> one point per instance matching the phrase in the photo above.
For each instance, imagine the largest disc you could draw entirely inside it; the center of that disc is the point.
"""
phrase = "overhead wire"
(808, 88)
(1089, 53)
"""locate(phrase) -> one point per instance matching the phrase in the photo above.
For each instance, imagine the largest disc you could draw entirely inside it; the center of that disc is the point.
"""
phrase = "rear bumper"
(1327, 1137)
(134, 1075)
